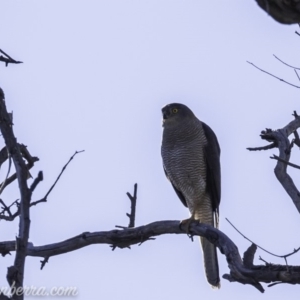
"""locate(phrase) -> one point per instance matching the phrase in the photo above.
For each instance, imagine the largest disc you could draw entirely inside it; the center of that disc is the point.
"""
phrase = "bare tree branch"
(296, 86)
(295, 68)
(2, 187)
(284, 161)
(297, 74)
(280, 138)
(5, 208)
(44, 199)
(11, 216)
(133, 198)
(273, 254)
(16, 272)
(239, 272)
(43, 262)
(37, 180)
(267, 147)
(131, 216)
(7, 59)
(25, 154)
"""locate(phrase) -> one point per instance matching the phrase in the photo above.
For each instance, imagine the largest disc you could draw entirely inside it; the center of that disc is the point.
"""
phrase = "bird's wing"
(213, 170)
(179, 194)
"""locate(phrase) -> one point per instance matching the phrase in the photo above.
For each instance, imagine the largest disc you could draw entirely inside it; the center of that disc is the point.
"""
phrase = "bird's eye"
(174, 110)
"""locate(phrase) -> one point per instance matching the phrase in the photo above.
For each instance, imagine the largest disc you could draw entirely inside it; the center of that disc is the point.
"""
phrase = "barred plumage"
(191, 159)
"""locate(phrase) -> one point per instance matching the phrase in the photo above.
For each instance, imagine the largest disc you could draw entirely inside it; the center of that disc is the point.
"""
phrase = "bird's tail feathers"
(211, 265)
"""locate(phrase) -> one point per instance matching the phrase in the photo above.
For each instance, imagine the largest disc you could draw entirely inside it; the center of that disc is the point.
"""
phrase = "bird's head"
(175, 113)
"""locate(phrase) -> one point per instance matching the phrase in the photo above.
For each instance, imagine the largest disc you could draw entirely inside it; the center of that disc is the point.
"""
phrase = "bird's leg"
(187, 223)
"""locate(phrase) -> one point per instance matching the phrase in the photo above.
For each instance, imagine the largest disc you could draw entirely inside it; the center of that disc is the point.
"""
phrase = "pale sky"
(95, 76)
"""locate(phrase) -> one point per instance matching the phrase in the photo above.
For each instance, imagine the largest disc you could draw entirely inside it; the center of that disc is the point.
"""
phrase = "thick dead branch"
(246, 273)
(13, 148)
(280, 139)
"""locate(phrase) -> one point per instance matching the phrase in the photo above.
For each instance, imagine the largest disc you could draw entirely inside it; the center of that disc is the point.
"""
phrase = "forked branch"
(279, 138)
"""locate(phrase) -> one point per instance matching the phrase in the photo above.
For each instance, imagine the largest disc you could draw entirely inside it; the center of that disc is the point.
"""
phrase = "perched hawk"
(191, 161)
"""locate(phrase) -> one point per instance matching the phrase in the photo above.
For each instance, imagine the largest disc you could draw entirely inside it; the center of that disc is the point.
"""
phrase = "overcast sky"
(94, 78)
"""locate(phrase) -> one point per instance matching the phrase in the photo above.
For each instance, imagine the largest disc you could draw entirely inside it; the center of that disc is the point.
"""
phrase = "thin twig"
(131, 216)
(30, 159)
(11, 216)
(33, 203)
(267, 264)
(8, 171)
(297, 74)
(276, 255)
(5, 208)
(44, 199)
(267, 147)
(44, 261)
(284, 161)
(13, 177)
(8, 207)
(285, 63)
(133, 199)
(275, 283)
(296, 86)
(39, 178)
(8, 59)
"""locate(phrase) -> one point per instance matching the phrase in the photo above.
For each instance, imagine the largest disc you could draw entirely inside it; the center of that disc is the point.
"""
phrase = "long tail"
(211, 265)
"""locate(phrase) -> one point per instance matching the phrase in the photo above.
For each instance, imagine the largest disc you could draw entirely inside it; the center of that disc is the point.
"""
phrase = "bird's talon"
(186, 224)
(191, 237)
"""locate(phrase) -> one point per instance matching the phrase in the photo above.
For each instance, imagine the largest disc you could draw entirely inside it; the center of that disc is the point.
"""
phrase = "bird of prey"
(191, 161)
(283, 11)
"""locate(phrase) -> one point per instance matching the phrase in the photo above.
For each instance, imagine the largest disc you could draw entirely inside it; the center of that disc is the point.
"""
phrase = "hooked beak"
(165, 115)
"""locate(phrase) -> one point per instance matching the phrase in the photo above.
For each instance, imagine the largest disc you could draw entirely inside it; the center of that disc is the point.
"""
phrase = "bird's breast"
(186, 167)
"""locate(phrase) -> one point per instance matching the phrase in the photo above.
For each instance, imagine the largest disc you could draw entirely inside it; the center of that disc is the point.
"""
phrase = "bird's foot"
(185, 226)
